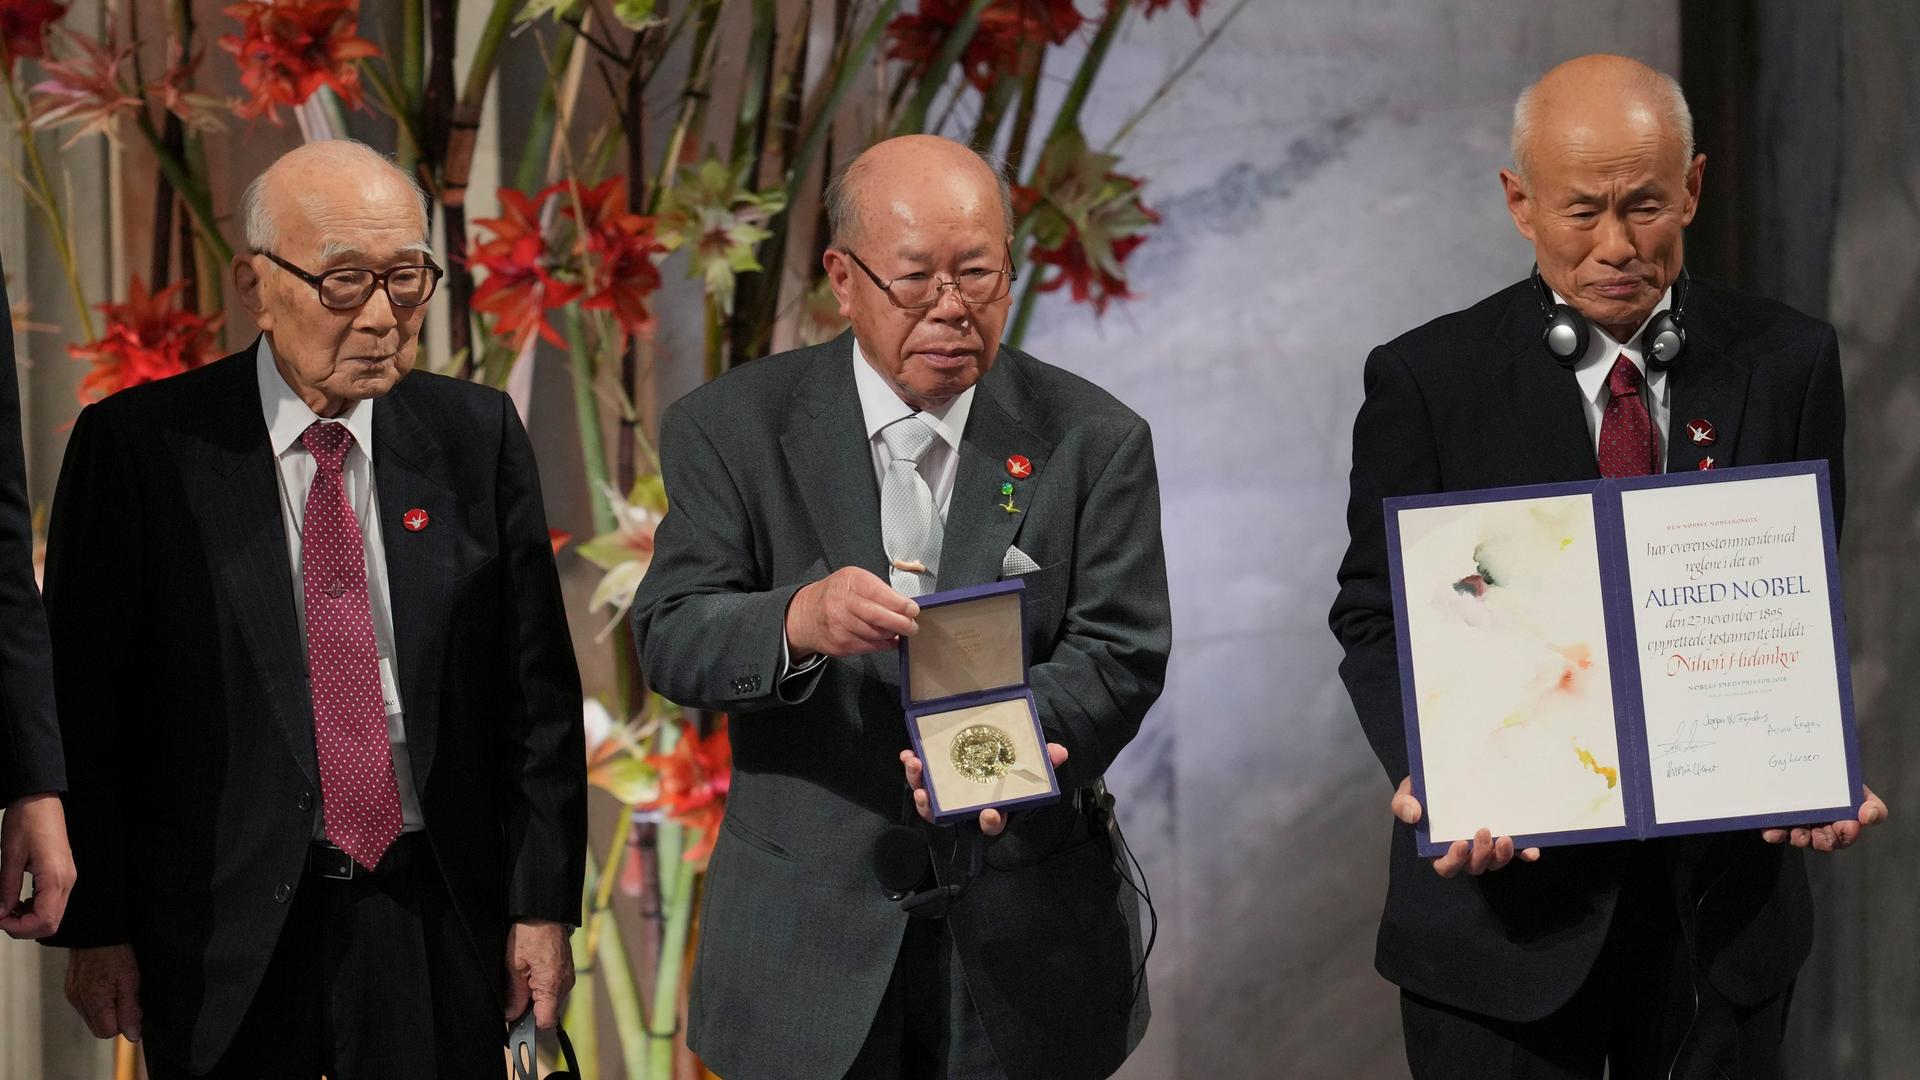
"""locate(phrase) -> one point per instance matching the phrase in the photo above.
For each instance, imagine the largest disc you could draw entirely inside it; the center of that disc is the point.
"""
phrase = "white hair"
(1673, 101)
(263, 232)
(842, 202)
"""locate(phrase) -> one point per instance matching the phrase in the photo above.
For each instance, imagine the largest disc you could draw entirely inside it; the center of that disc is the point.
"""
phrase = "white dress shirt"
(288, 418)
(880, 406)
(1597, 364)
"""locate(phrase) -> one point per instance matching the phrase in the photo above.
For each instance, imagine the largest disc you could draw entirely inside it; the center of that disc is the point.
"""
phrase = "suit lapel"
(235, 496)
(1548, 420)
(827, 448)
(1706, 384)
(979, 528)
(409, 474)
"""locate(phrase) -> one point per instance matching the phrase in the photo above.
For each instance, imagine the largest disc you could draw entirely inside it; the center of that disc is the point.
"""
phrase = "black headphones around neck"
(1567, 332)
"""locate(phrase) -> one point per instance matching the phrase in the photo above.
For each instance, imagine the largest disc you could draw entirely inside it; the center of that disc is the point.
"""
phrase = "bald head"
(317, 179)
(866, 187)
(1599, 96)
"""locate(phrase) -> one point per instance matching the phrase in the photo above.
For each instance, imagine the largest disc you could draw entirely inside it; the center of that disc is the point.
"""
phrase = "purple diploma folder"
(1618, 659)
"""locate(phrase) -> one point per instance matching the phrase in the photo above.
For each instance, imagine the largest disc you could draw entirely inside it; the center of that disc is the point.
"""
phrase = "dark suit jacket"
(770, 486)
(1472, 400)
(29, 735)
(183, 684)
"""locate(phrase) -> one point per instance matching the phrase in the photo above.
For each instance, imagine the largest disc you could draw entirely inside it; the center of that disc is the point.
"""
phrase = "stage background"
(1327, 179)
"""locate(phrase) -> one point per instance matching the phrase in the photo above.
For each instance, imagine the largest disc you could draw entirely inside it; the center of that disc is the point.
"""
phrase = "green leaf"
(634, 14)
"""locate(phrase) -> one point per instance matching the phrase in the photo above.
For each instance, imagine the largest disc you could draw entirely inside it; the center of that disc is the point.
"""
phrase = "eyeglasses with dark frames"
(919, 291)
(346, 288)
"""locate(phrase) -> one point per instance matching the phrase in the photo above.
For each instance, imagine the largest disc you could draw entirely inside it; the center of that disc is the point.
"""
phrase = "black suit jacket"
(1472, 400)
(30, 762)
(770, 484)
(183, 690)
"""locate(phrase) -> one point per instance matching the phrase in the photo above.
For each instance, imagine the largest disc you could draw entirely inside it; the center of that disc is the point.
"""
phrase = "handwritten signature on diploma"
(1686, 739)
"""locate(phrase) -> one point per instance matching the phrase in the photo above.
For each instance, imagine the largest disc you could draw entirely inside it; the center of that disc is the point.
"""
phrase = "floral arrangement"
(568, 269)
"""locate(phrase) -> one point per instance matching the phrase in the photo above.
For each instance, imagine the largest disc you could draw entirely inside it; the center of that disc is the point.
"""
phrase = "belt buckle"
(335, 864)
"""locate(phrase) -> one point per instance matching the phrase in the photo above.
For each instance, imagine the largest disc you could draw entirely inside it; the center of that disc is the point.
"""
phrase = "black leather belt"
(326, 861)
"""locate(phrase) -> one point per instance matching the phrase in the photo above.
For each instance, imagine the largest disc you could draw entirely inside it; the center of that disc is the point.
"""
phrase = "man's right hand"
(33, 840)
(1485, 853)
(104, 987)
(847, 613)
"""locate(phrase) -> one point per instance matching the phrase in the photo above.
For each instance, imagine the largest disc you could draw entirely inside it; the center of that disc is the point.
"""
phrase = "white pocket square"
(1017, 562)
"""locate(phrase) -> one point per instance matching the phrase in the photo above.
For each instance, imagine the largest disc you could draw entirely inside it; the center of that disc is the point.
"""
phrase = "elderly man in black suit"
(811, 496)
(320, 706)
(1673, 957)
(33, 830)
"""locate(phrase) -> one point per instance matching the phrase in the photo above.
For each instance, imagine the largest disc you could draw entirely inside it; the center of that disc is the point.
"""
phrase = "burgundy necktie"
(358, 793)
(1628, 446)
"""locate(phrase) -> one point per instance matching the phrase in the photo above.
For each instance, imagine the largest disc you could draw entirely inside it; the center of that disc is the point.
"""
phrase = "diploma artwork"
(1624, 658)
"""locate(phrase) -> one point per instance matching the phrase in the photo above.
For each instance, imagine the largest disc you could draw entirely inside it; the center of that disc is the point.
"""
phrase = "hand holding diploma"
(1834, 837)
(1486, 851)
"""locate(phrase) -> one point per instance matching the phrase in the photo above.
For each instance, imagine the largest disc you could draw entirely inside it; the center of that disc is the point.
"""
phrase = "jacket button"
(306, 800)
(282, 892)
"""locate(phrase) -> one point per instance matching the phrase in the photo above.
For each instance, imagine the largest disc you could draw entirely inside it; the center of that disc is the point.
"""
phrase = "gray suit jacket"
(770, 486)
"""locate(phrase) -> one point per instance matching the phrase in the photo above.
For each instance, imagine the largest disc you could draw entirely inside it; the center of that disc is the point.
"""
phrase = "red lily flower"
(694, 779)
(1091, 284)
(1006, 42)
(287, 49)
(620, 248)
(520, 287)
(23, 27)
(146, 339)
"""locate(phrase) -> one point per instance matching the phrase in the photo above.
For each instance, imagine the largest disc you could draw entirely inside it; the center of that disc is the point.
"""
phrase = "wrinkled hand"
(1485, 853)
(103, 985)
(847, 613)
(1840, 834)
(540, 968)
(33, 840)
(992, 822)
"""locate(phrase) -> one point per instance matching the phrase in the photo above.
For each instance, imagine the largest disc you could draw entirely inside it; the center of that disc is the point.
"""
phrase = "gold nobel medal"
(982, 753)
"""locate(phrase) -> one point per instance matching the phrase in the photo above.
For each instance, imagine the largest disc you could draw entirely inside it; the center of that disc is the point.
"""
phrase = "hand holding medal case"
(969, 710)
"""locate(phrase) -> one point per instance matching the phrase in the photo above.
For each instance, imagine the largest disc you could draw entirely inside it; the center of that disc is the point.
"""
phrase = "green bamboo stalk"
(1068, 117)
(623, 994)
(1024, 116)
(993, 113)
(914, 117)
(486, 53)
(820, 124)
(676, 897)
(747, 126)
(587, 409)
(531, 174)
(189, 187)
(693, 97)
(49, 203)
(581, 1021)
(413, 57)
(1023, 311)
(603, 896)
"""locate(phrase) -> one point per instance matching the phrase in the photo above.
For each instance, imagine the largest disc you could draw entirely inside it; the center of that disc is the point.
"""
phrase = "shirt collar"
(288, 417)
(880, 406)
(1597, 364)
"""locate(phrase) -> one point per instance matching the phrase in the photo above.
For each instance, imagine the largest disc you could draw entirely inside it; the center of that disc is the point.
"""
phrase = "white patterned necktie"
(909, 522)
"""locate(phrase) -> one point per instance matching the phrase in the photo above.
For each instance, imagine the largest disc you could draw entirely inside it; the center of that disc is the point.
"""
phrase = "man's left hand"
(33, 840)
(992, 822)
(540, 969)
(1840, 834)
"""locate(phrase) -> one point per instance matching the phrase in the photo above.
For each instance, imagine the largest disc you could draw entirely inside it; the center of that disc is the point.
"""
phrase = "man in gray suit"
(811, 496)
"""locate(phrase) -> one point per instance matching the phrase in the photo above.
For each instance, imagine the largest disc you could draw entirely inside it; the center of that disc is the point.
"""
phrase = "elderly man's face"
(925, 220)
(1606, 202)
(327, 219)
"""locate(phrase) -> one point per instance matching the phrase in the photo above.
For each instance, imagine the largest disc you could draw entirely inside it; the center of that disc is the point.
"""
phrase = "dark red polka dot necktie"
(1628, 445)
(359, 796)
